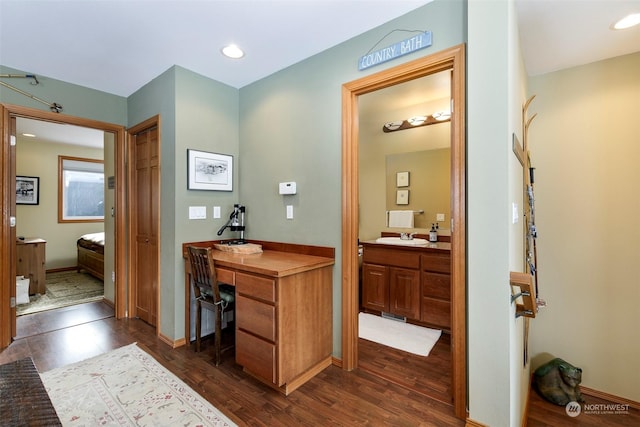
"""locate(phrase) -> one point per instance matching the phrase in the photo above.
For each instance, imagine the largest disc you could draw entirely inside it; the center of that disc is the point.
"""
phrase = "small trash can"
(22, 290)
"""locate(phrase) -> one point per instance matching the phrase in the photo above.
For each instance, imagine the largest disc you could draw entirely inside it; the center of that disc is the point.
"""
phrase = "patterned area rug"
(126, 387)
(64, 288)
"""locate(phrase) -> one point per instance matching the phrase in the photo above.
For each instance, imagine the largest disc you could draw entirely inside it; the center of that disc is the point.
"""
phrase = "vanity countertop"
(428, 247)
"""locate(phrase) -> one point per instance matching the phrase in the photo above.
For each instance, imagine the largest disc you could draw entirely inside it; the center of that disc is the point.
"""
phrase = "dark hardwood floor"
(333, 397)
(430, 375)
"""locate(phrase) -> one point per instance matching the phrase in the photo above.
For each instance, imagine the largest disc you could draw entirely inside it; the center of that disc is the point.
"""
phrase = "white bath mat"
(392, 333)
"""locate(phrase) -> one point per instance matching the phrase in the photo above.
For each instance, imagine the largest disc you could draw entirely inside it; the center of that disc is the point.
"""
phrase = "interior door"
(146, 223)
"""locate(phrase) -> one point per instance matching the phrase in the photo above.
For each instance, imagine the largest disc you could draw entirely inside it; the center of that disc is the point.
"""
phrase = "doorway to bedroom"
(36, 252)
(60, 217)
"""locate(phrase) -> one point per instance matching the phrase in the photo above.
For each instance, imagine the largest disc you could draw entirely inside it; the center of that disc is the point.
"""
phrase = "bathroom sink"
(400, 242)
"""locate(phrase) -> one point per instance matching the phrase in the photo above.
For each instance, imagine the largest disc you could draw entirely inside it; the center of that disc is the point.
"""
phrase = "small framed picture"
(402, 179)
(402, 197)
(27, 190)
(209, 171)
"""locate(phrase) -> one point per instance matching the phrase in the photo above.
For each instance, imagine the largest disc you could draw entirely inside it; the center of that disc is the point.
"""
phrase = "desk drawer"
(256, 356)
(226, 276)
(256, 317)
(256, 287)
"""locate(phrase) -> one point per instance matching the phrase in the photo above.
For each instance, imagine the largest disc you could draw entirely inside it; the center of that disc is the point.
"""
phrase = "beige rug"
(393, 333)
(126, 387)
(64, 288)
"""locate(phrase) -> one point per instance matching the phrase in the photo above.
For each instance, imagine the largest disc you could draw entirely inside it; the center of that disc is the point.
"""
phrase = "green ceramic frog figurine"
(558, 382)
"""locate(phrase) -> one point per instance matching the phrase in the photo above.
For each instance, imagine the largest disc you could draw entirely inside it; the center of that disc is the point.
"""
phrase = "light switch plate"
(197, 212)
(289, 211)
(440, 217)
(514, 214)
(216, 212)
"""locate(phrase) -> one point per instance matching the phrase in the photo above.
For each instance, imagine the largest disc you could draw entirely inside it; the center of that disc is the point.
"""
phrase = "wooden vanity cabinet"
(391, 281)
(407, 281)
(436, 289)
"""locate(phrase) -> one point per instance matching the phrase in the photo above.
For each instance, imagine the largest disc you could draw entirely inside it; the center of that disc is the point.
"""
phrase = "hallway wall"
(584, 145)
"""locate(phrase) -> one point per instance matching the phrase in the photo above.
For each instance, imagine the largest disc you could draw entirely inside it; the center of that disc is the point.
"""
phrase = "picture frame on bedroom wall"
(27, 190)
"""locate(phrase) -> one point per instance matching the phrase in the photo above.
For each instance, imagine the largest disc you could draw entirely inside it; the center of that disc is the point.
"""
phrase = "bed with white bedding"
(91, 254)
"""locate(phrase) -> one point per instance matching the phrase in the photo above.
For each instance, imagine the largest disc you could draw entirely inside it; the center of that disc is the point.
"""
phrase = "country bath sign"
(394, 51)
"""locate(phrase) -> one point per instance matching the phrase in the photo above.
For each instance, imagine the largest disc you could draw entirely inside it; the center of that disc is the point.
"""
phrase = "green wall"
(76, 100)
(196, 113)
(291, 131)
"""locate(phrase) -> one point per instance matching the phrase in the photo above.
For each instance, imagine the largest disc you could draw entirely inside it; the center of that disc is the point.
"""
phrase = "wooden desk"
(284, 315)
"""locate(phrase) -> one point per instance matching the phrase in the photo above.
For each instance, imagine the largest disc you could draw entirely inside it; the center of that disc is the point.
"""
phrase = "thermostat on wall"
(287, 187)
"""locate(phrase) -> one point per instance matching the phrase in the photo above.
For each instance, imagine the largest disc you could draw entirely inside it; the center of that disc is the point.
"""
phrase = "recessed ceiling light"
(627, 22)
(29, 135)
(232, 51)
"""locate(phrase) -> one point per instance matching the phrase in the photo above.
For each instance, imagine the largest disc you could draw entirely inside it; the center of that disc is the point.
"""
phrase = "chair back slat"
(203, 272)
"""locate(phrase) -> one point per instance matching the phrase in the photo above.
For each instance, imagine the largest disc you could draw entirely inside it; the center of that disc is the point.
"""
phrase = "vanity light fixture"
(232, 51)
(417, 121)
(441, 115)
(627, 22)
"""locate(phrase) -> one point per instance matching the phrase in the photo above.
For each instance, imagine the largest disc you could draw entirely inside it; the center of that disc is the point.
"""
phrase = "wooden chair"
(209, 294)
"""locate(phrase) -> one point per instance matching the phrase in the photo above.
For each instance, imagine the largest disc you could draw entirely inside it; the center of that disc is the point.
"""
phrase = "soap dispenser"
(433, 234)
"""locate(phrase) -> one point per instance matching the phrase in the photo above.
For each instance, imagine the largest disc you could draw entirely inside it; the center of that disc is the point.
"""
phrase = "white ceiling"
(559, 34)
(117, 46)
(58, 133)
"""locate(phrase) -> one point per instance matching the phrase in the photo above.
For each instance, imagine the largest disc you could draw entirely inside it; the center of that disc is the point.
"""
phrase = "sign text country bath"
(394, 51)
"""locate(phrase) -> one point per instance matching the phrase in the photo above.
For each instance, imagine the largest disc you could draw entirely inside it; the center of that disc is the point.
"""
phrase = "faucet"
(407, 236)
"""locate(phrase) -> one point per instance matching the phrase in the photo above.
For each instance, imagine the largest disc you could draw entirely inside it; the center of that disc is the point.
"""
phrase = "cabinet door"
(404, 292)
(375, 287)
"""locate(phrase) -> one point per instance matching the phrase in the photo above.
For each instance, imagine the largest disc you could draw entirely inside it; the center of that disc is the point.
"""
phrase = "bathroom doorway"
(451, 60)
(399, 138)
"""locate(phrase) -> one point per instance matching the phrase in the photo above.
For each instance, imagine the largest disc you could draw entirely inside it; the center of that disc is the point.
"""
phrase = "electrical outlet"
(440, 217)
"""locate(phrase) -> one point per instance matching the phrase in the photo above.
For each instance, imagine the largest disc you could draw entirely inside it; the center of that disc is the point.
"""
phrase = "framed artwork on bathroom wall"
(402, 179)
(402, 197)
(209, 171)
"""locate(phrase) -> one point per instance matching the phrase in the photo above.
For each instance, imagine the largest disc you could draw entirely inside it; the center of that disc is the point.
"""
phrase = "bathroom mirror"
(424, 152)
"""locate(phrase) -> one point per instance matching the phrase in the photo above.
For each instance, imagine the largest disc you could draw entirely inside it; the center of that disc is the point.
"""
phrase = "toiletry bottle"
(433, 234)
